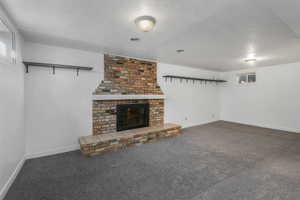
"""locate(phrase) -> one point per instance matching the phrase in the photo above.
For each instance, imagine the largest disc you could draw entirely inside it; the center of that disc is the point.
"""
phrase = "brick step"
(99, 144)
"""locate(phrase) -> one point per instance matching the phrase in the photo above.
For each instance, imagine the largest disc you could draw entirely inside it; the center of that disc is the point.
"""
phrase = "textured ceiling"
(215, 35)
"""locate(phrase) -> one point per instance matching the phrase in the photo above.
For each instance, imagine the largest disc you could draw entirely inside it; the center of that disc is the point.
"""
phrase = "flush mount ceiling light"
(251, 58)
(145, 23)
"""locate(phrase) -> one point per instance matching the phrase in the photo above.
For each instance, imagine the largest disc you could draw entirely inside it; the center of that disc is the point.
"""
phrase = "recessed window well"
(245, 78)
(7, 44)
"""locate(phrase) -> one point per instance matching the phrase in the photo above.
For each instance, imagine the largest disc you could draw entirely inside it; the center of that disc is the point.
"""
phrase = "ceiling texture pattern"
(216, 35)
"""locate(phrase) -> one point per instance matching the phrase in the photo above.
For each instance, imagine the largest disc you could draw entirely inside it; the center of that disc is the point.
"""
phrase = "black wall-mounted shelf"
(54, 66)
(193, 79)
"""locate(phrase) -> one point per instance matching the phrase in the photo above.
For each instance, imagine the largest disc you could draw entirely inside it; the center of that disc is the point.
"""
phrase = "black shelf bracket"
(171, 77)
(54, 66)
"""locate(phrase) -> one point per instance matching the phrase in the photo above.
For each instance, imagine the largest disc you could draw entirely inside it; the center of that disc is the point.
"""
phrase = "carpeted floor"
(217, 161)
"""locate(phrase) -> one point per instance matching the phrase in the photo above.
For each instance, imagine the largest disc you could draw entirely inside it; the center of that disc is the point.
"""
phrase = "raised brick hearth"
(128, 77)
(94, 145)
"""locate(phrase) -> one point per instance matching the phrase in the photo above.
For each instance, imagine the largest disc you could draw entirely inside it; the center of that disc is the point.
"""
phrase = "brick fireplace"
(128, 107)
(126, 77)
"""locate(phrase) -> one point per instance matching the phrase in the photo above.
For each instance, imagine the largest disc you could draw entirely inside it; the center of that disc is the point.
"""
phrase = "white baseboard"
(52, 152)
(199, 124)
(19, 166)
(11, 179)
(280, 128)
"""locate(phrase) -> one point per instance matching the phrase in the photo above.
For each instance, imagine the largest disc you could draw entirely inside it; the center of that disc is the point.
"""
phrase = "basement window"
(246, 78)
(7, 44)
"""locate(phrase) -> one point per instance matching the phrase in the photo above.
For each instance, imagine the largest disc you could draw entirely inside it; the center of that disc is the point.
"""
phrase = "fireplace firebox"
(130, 116)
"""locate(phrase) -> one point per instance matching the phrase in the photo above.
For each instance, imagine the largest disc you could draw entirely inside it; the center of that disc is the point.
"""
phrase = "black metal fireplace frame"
(120, 109)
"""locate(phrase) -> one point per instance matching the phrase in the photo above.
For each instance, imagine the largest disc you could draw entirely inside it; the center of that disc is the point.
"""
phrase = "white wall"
(186, 103)
(12, 138)
(272, 102)
(58, 108)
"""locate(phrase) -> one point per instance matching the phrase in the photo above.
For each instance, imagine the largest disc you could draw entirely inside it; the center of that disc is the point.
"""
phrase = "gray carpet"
(217, 161)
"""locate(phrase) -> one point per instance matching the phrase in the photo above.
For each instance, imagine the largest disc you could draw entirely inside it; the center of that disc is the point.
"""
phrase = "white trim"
(19, 166)
(279, 128)
(118, 97)
(52, 152)
(12, 178)
(128, 57)
(199, 124)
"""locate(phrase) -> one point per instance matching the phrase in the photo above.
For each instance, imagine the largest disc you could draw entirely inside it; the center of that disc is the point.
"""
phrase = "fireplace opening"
(130, 116)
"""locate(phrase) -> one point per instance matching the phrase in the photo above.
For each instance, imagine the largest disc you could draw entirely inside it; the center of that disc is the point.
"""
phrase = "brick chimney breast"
(128, 76)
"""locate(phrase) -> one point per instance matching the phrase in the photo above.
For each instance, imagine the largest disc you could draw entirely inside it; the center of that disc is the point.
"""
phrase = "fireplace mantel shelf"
(126, 97)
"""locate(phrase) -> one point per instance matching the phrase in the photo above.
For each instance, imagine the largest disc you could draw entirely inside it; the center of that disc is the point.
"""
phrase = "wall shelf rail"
(193, 79)
(54, 66)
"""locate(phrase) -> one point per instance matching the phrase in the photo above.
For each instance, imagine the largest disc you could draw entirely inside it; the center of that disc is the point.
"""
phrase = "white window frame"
(247, 74)
(10, 57)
